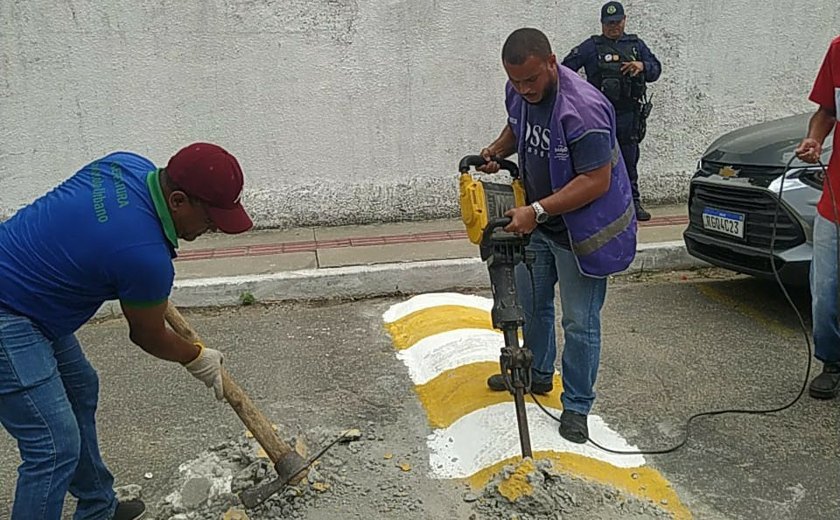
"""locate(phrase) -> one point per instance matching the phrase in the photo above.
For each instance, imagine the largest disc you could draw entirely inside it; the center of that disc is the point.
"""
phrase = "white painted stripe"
(428, 300)
(488, 436)
(430, 357)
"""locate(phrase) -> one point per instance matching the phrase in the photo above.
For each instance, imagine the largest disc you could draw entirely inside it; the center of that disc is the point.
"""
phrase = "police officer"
(620, 65)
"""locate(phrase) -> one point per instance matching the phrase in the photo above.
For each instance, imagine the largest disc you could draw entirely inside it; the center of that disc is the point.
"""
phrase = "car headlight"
(813, 177)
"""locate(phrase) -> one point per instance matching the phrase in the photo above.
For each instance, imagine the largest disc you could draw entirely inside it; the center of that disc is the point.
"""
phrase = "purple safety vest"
(602, 233)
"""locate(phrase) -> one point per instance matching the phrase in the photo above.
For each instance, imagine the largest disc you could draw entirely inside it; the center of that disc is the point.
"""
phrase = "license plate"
(724, 222)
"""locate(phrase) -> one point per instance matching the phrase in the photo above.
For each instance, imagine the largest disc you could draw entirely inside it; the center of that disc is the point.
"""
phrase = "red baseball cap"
(209, 173)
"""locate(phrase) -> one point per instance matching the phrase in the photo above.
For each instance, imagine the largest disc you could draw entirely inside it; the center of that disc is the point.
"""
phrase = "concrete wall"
(356, 111)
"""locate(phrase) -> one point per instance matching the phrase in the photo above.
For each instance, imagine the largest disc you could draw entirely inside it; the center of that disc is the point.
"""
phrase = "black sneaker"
(641, 214)
(497, 383)
(130, 510)
(827, 384)
(573, 427)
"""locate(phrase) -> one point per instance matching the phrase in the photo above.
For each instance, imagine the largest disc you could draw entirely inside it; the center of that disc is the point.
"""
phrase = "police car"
(733, 200)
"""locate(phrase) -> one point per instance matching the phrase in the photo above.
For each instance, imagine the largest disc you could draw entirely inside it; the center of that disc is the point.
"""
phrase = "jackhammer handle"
(494, 223)
(477, 160)
(241, 403)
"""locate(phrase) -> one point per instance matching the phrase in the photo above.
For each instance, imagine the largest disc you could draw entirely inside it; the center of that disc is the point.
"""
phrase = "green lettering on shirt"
(98, 194)
(119, 186)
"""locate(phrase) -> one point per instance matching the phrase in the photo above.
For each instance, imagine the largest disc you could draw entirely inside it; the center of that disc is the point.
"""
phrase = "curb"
(368, 281)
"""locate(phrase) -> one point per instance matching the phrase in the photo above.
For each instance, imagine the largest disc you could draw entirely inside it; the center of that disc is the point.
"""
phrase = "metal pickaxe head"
(288, 467)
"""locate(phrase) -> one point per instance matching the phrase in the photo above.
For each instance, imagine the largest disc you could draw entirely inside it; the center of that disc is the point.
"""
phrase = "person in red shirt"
(824, 264)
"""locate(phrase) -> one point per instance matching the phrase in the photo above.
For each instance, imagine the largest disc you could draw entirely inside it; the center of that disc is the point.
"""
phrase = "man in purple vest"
(579, 214)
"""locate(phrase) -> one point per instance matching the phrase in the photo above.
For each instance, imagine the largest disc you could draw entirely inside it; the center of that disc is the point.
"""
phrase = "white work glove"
(207, 367)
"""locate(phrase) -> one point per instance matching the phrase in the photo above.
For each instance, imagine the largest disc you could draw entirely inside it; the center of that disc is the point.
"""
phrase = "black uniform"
(602, 58)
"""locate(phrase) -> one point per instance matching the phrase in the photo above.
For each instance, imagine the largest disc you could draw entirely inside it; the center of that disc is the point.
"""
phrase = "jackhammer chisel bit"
(502, 254)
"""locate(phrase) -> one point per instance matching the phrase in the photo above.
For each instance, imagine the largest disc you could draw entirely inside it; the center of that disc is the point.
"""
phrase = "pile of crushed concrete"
(207, 488)
(533, 490)
(353, 474)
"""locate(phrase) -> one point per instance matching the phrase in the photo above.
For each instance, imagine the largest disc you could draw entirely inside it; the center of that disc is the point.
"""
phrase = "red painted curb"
(314, 245)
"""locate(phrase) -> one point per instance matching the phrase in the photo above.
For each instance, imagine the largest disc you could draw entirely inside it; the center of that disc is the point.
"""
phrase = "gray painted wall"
(345, 111)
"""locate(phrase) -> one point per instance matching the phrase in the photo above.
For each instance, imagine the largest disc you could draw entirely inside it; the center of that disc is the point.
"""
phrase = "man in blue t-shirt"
(109, 232)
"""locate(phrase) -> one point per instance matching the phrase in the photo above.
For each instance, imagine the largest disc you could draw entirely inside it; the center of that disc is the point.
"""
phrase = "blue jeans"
(581, 300)
(48, 398)
(824, 291)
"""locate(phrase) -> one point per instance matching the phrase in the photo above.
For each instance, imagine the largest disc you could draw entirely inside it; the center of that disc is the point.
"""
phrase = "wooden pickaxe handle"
(253, 419)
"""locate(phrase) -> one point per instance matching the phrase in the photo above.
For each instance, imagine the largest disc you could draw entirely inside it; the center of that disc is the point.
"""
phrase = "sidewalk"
(368, 261)
(272, 251)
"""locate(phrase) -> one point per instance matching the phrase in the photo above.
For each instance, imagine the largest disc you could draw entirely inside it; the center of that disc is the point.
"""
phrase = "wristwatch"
(541, 215)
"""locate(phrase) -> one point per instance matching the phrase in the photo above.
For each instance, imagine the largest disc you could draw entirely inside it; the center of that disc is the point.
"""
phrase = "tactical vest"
(623, 90)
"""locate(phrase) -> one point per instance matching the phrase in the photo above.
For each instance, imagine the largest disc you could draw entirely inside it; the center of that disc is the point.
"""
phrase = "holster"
(644, 113)
(611, 87)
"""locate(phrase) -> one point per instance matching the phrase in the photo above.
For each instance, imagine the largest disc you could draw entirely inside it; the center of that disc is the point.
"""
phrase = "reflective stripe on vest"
(598, 240)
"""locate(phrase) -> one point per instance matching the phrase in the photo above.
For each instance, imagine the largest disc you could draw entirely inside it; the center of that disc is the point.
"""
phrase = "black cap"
(612, 12)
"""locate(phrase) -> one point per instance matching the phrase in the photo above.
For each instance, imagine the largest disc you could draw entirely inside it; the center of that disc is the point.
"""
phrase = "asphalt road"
(674, 345)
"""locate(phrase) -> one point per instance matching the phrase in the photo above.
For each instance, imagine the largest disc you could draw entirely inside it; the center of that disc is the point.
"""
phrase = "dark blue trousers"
(630, 152)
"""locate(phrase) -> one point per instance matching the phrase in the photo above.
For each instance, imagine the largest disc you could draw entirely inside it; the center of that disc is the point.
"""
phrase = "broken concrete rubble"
(129, 492)
(207, 487)
(533, 490)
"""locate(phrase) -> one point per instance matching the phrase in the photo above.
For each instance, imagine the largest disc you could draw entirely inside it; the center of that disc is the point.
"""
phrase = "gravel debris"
(535, 491)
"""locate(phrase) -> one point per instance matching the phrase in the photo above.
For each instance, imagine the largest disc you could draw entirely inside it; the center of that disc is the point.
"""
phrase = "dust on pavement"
(673, 346)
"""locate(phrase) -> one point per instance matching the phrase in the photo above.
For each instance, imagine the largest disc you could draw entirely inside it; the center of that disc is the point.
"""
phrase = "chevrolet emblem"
(728, 171)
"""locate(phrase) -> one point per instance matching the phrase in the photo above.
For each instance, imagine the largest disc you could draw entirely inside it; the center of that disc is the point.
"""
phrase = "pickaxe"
(291, 468)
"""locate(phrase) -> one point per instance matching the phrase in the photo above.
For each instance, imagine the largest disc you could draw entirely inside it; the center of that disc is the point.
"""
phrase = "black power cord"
(787, 297)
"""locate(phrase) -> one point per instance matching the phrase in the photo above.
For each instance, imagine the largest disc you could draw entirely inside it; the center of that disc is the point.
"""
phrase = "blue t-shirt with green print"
(103, 234)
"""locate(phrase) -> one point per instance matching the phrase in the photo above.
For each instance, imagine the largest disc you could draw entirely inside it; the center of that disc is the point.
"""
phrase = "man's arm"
(502, 147)
(576, 59)
(583, 189)
(653, 68)
(821, 123)
(592, 159)
(144, 276)
(647, 64)
(823, 94)
(592, 156)
(148, 330)
(823, 120)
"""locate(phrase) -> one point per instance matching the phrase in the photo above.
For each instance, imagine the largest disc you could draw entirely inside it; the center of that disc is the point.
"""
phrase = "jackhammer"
(483, 206)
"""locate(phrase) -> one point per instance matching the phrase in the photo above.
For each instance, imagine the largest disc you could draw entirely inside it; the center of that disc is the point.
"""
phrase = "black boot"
(827, 384)
(130, 510)
(641, 214)
(573, 427)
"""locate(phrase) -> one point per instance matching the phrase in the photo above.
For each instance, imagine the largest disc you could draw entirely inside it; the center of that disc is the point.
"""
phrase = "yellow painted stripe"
(410, 329)
(744, 308)
(648, 483)
(457, 392)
